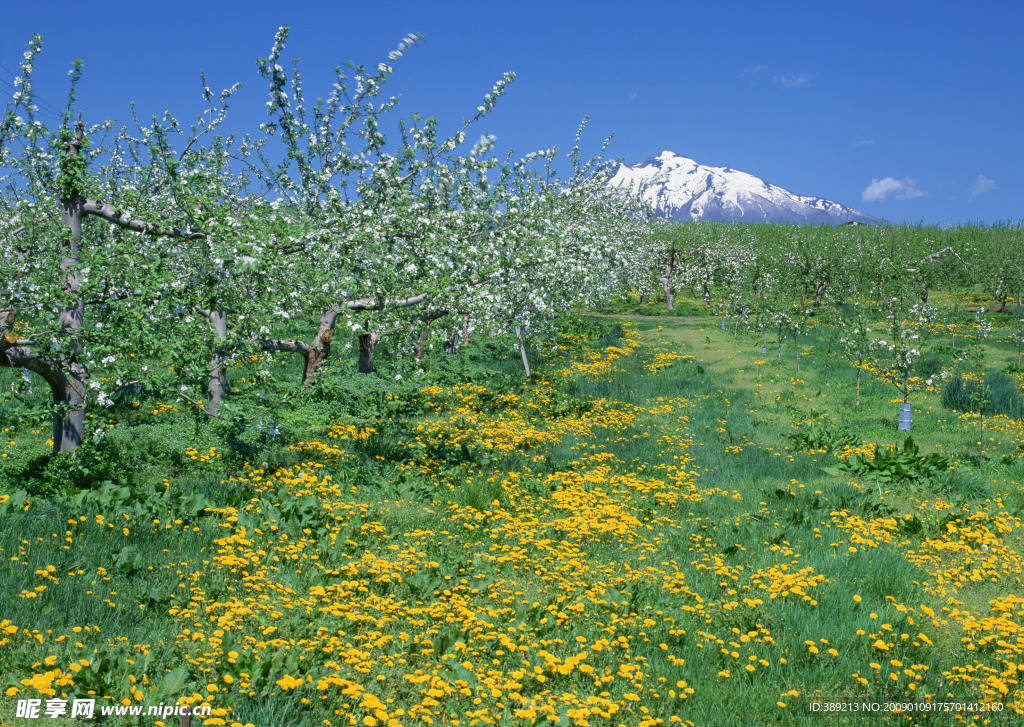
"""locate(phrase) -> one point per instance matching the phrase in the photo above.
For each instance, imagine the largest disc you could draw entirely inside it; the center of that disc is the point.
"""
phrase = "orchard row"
(160, 254)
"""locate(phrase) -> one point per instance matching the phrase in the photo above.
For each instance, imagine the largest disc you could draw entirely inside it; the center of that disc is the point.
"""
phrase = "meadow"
(664, 525)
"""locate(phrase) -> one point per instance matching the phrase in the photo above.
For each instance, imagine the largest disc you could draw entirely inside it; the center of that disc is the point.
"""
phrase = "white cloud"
(750, 70)
(791, 80)
(981, 185)
(864, 142)
(880, 189)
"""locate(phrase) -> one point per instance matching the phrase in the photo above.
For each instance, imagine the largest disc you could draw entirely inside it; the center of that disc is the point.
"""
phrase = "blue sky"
(907, 110)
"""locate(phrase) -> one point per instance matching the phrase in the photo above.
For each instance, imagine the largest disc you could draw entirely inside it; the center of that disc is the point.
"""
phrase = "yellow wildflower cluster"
(576, 585)
(193, 453)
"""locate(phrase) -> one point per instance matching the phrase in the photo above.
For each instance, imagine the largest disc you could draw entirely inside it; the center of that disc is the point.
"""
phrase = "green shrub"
(960, 485)
(589, 328)
(958, 392)
(931, 365)
(119, 460)
(479, 493)
(1004, 393)
(611, 336)
(894, 465)
(822, 436)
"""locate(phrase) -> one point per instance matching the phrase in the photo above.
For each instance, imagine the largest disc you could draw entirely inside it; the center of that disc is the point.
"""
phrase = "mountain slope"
(681, 188)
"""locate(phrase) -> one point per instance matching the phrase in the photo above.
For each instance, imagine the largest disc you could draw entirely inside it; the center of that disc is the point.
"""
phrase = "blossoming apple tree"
(160, 241)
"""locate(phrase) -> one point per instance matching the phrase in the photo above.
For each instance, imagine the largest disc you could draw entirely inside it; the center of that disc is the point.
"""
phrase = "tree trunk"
(522, 350)
(451, 339)
(421, 341)
(320, 347)
(69, 392)
(217, 378)
(367, 344)
(313, 360)
(69, 419)
(667, 281)
(819, 294)
(66, 390)
(69, 426)
(314, 353)
(67, 380)
(981, 442)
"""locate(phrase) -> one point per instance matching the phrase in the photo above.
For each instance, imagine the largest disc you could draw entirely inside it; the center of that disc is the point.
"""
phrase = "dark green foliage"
(846, 497)
(116, 459)
(822, 436)
(960, 485)
(382, 445)
(957, 392)
(480, 493)
(1006, 395)
(895, 465)
(610, 336)
(589, 328)
(960, 394)
(931, 365)
(20, 408)
(280, 709)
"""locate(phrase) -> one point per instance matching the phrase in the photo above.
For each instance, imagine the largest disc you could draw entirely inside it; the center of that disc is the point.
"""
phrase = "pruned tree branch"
(936, 255)
(287, 345)
(14, 233)
(123, 219)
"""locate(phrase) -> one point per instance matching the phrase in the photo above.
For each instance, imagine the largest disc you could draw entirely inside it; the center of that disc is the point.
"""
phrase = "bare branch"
(372, 304)
(199, 407)
(287, 345)
(123, 386)
(14, 233)
(936, 255)
(123, 219)
(796, 263)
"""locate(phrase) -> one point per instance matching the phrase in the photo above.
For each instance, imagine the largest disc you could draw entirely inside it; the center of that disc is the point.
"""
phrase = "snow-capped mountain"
(681, 188)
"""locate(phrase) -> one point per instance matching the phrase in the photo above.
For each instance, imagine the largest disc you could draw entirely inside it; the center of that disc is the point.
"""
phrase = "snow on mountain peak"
(678, 187)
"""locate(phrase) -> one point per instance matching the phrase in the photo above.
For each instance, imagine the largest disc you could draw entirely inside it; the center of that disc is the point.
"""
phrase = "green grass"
(761, 508)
